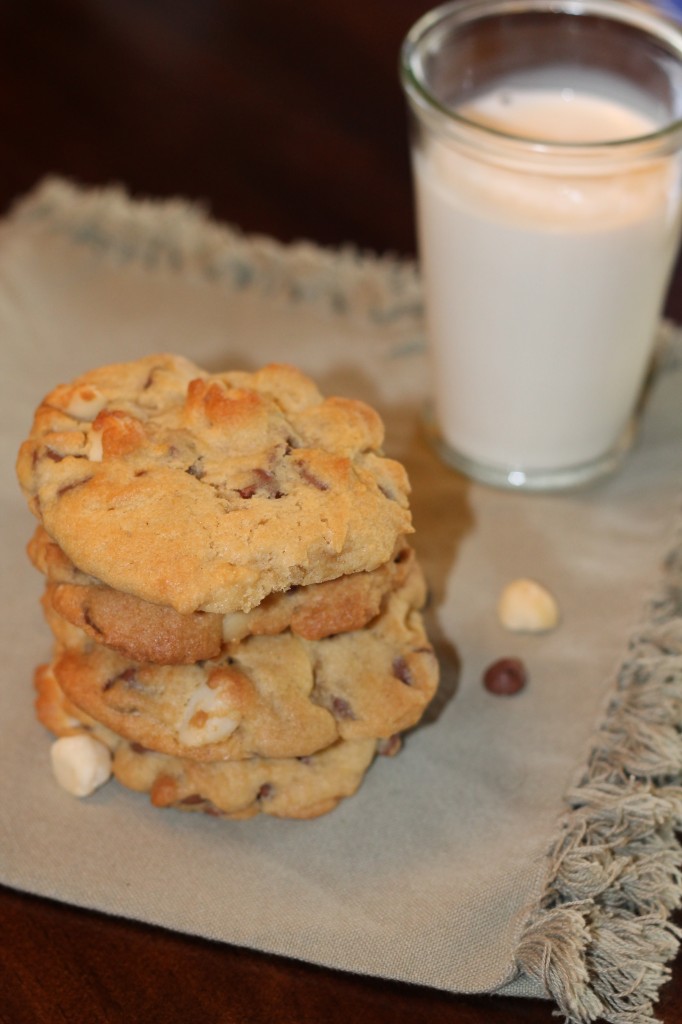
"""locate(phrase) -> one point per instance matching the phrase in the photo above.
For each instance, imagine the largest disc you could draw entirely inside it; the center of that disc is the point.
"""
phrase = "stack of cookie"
(235, 606)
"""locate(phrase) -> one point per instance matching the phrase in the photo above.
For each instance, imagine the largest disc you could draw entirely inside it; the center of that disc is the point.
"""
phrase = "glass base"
(518, 479)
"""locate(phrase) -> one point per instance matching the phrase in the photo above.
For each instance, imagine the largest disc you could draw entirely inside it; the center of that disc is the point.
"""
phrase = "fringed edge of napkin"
(178, 235)
(601, 940)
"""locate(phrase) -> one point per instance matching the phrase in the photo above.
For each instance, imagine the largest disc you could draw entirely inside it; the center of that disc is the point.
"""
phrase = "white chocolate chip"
(95, 450)
(80, 764)
(85, 403)
(527, 607)
(235, 626)
(208, 718)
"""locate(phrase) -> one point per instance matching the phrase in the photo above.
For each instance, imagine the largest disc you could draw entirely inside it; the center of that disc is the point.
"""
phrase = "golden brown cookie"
(266, 696)
(156, 633)
(320, 610)
(56, 712)
(48, 558)
(303, 787)
(139, 629)
(209, 492)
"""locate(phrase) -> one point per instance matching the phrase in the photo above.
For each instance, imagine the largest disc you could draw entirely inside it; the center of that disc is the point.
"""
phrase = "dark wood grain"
(284, 117)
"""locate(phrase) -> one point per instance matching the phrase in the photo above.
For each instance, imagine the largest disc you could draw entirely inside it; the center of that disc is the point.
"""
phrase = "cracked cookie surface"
(207, 492)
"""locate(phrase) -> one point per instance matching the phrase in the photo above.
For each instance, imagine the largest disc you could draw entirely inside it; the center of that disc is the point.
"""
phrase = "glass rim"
(651, 22)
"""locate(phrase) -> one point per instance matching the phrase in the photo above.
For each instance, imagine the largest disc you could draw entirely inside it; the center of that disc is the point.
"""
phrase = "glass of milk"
(547, 139)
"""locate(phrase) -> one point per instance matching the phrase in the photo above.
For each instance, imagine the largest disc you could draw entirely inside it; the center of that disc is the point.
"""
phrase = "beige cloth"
(435, 871)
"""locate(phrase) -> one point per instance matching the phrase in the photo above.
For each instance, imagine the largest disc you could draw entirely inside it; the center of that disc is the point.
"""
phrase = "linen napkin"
(523, 845)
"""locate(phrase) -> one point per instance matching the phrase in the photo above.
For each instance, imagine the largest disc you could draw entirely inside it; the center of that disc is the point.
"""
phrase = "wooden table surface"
(284, 117)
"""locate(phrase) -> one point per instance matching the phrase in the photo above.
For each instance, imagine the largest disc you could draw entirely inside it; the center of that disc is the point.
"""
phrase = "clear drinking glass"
(546, 140)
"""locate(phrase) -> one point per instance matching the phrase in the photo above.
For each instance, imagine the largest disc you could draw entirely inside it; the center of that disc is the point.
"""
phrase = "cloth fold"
(524, 845)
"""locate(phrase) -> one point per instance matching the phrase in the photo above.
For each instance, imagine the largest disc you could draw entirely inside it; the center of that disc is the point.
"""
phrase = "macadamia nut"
(80, 764)
(527, 607)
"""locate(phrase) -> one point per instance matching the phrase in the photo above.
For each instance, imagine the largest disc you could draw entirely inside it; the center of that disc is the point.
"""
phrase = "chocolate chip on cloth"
(209, 492)
(505, 677)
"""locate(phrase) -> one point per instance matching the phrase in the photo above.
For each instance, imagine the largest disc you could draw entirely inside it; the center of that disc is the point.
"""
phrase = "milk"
(542, 290)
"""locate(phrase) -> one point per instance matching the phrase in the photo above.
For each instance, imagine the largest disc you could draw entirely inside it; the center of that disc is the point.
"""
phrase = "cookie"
(48, 558)
(156, 633)
(266, 696)
(304, 787)
(139, 629)
(56, 712)
(208, 492)
(342, 605)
